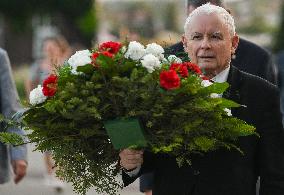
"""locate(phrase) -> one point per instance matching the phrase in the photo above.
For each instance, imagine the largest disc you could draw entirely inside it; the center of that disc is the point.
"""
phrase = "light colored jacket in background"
(9, 104)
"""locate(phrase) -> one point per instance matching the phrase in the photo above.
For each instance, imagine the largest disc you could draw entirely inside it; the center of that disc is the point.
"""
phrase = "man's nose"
(205, 44)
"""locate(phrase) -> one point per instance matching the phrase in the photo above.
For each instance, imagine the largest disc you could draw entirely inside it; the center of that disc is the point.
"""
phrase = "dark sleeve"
(177, 50)
(149, 163)
(271, 148)
(146, 182)
(255, 60)
(271, 70)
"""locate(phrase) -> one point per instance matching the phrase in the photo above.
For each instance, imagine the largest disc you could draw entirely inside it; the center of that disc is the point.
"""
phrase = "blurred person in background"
(9, 104)
(55, 51)
(280, 64)
(261, 66)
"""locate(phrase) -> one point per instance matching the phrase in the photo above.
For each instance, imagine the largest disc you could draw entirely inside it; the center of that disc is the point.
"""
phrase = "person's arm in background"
(32, 79)
(10, 104)
(272, 71)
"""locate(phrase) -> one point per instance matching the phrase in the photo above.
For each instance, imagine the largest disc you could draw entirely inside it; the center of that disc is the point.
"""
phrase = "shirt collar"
(222, 76)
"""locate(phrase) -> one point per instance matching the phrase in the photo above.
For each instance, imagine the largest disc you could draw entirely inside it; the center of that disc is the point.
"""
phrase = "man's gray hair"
(210, 9)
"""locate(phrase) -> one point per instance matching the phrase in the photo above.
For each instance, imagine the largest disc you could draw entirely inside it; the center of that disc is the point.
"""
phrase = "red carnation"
(112, 47)
(50, 85)
(203, 77)
(107, 54)
(169, 79)
(95, 55)
(180, 68)
(193, 67)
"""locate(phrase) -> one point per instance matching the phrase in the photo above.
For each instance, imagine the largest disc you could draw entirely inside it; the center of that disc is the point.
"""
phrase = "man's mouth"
(206, 57)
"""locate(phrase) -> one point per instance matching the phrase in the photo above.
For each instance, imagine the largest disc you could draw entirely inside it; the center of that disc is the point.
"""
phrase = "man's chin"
(207, 66)
(208, 69)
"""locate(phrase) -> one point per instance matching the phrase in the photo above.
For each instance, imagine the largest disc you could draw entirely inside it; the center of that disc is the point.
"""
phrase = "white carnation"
(228, 111)
(165, 61)
(206, 83)
(123, 49)
(36, 96)
(156, 50)
(135, 51)
(151, 62)
(173, 58)
(215, 95)
(80, 58)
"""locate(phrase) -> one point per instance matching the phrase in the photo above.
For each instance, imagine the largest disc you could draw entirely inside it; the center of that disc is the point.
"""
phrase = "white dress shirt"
(222, 76)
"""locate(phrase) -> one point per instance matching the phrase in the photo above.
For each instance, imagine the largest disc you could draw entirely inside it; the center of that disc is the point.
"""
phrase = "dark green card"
(125, 133)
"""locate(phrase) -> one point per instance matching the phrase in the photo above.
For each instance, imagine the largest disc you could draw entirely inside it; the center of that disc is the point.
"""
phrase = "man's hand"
(20, 169)
(130, 159)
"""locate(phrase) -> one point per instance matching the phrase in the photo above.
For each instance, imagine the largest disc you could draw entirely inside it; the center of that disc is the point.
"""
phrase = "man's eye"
(196, 37)
(217, 37)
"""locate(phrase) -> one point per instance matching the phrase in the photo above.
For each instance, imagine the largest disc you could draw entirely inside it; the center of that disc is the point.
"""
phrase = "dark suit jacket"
(249, 58)
(228, 172)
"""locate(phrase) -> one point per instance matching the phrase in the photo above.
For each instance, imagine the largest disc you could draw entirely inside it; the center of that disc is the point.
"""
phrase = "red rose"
(169, 79)
(180, 68)
(112, 47)
(50, 85)
(193, 67)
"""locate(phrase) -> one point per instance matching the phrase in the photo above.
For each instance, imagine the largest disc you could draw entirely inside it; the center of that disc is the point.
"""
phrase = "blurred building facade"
(149, 20)
(23, 24)
(162, 21)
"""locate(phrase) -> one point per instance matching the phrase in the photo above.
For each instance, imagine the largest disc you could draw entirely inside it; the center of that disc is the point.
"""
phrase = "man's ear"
(235, 43)
(184, 41)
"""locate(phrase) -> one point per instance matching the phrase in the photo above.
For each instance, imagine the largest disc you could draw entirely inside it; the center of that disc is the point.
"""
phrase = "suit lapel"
(234, 79)
(233, 92)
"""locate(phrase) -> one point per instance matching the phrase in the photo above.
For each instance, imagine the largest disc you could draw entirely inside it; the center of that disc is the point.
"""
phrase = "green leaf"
(228, 103)
(11, 138)
(87, 69)
(218, 88)
(204, 144)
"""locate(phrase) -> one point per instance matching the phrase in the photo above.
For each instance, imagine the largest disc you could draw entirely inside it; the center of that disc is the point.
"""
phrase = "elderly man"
(261, 66)
(210, 40)
(9, 104)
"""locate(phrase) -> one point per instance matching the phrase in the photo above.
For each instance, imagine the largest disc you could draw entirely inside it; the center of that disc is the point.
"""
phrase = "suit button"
(196, 172)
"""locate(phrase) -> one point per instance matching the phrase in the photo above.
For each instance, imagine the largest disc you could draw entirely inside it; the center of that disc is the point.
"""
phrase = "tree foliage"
(79, 13)
(279, 38)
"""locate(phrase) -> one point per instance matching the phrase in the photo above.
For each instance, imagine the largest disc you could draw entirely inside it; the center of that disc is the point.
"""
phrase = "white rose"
(36, 96)
(80, 58)
(135, 51)
(206, 83)
(173, 58)
(151, 62)
(156, 50)
(228, 111)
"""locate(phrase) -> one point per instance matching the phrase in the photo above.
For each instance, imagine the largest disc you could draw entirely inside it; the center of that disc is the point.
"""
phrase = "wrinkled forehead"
(207, 22)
